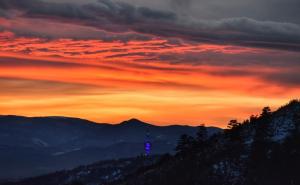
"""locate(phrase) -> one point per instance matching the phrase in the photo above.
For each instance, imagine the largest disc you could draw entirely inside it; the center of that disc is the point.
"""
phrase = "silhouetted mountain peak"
(134, 122)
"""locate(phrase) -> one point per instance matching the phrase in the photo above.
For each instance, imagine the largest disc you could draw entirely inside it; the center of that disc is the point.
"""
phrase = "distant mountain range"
(31, 146)
(262, 150)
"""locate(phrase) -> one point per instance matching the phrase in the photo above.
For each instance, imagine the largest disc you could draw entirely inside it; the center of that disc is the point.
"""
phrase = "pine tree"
(233, 124)
(259, 156)
(185, 143)
(202, 134)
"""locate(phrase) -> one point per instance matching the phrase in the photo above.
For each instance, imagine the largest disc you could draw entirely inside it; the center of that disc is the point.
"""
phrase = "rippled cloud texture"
(162, 61)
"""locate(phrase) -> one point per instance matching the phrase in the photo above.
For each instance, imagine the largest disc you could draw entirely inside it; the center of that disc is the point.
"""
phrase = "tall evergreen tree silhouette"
(185, 143)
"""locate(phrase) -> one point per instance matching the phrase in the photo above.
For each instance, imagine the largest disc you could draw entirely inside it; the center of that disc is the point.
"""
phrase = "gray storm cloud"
(181, 5)
(122, 17)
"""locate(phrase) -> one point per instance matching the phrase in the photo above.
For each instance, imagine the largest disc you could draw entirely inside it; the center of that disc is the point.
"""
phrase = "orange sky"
(111, 81)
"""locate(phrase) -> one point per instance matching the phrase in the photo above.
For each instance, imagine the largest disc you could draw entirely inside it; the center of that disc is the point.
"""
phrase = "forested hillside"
(262, 150)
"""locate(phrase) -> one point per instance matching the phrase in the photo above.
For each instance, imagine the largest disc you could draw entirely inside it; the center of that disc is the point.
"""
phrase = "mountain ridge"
(264, 149)
(129, 121)
(54, 143)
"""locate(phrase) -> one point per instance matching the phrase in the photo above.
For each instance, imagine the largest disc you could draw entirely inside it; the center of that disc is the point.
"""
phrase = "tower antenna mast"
(147, 144)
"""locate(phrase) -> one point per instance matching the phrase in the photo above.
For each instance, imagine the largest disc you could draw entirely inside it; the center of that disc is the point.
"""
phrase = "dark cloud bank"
(121, 17)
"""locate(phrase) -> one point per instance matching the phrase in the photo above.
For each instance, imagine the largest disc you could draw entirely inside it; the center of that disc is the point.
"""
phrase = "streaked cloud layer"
(161, 62)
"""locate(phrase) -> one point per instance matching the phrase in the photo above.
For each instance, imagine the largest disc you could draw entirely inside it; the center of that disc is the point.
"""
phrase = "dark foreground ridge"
(98, 173)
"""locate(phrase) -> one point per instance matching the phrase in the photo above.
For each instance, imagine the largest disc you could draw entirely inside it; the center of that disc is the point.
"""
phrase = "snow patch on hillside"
(282, 126)
(40, 142)
(65, 152)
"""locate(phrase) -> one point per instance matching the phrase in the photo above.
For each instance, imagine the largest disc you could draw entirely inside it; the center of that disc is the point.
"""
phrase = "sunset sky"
(161, 61)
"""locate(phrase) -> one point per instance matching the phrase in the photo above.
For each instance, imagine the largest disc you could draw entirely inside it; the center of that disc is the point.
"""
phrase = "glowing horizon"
(111, 70)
